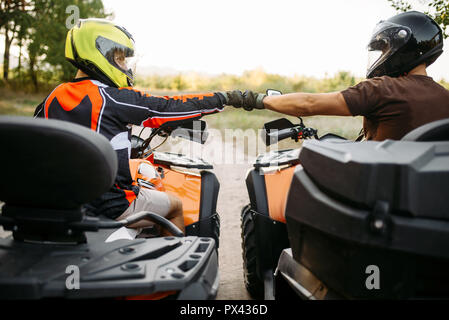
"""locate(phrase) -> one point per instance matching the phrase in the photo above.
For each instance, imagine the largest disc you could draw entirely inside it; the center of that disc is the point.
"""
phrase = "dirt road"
(232, 197)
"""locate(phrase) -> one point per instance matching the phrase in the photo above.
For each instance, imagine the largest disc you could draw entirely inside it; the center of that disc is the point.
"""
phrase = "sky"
(287, 37)
(312, 38)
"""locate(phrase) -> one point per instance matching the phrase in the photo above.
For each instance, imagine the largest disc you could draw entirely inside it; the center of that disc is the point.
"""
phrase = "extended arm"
(308, 104)
(138, 108)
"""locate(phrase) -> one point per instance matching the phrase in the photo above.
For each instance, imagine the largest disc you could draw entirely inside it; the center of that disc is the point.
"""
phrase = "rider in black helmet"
(397, 96)
(402, 43)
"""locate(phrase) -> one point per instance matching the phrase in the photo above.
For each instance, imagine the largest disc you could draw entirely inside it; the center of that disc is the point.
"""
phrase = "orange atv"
(51, 169)
(187, 178)
(339, 219)
(263, 223)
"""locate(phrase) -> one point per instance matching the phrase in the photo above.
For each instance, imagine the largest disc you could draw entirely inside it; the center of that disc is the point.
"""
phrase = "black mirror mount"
(195, 131)
(281, 129)
(278, 124)
(276, 130)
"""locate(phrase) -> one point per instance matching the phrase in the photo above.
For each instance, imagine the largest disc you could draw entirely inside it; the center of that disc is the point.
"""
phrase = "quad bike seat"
(53, 164)
(52, 167)
(411, 177)
(352, 205)
(433, 131)
(48, 170)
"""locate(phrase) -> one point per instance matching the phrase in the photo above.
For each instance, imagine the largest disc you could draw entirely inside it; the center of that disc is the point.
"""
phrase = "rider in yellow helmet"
(102, 50)
(101, 97)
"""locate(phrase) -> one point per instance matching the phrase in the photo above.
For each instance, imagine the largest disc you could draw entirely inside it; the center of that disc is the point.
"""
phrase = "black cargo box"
(355, 205)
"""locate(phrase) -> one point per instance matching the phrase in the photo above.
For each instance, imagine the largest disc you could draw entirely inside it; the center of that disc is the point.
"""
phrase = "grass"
(18, 103)
(230, 118)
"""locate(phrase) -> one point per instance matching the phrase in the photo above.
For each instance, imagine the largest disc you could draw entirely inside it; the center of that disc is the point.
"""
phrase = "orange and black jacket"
(111, 111)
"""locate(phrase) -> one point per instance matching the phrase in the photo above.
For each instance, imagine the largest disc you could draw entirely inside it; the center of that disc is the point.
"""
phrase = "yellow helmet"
(102, 50)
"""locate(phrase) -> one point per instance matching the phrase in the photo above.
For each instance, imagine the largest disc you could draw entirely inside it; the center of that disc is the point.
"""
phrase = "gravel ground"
(3, 234)
(232, 197)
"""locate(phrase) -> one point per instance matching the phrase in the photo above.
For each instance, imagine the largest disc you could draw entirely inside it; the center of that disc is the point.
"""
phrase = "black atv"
(338, 219)
(49, 170)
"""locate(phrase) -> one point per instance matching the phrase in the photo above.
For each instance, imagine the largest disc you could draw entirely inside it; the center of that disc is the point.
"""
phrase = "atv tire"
(216, 230)
(254, 285)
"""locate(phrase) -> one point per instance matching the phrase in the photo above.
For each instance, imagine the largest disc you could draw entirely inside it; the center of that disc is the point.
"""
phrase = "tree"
(46, 46)
(39, 29)
(14, 19)
(437, 9)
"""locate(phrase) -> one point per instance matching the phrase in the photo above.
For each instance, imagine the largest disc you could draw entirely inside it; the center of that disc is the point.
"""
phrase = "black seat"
(53, 164)
(413, 177)
(433, 131)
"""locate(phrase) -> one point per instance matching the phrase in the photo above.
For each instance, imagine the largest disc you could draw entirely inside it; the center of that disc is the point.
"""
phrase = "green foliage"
(256, 80)
(39, 27)
(51, 15)
(179, 83)
(437, 9)
(22, 104)
(401, 5)
(445, 84)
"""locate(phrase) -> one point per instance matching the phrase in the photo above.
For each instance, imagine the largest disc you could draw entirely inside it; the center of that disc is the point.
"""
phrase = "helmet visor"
(120, 56)
(387, 39)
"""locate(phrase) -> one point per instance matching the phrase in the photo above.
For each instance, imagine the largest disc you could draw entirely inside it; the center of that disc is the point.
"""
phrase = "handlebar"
(94, 224)
(193, 130)
(278, 135)
(273, 134)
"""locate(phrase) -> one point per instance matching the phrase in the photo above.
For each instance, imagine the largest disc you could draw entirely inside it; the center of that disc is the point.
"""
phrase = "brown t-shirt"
(392, 107)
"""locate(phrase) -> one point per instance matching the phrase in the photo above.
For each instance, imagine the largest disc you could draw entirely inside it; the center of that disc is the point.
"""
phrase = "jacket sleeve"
(365, 98)
(135, 107)
(39, 112)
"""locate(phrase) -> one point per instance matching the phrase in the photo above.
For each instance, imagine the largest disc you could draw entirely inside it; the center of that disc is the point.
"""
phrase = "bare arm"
(308, 104)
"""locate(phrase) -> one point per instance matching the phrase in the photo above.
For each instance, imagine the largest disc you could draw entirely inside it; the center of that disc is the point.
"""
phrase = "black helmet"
(403, 42)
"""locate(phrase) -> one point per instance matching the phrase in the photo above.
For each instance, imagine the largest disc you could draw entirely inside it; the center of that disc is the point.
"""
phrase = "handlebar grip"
(273, 136)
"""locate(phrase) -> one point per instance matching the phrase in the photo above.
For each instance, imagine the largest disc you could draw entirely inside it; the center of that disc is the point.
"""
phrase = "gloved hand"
(248, 100)
(233, 98)
(253, 100)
